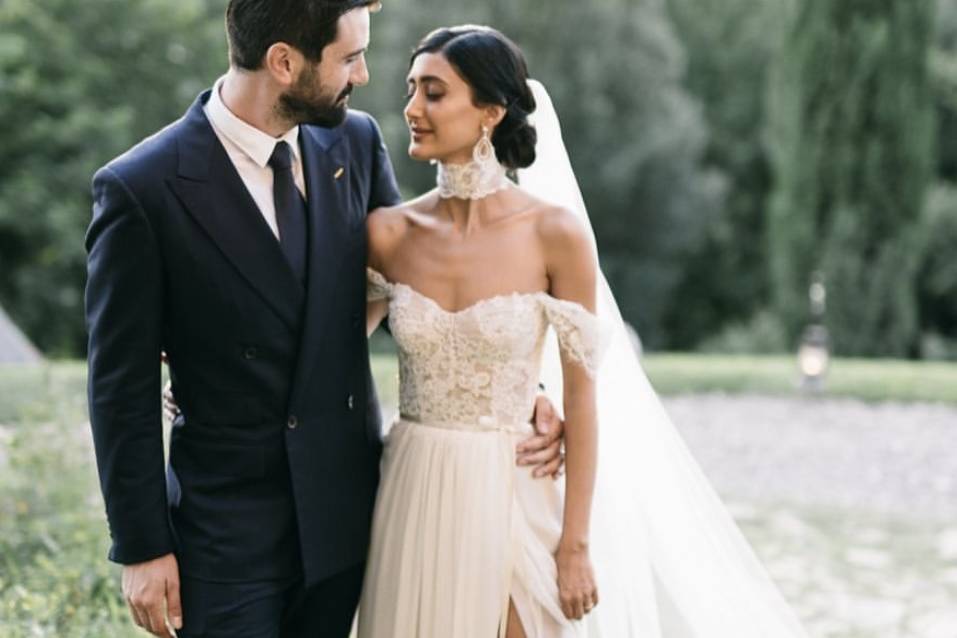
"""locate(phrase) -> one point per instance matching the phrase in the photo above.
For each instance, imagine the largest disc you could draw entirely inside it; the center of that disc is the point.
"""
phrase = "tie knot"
(281, 158)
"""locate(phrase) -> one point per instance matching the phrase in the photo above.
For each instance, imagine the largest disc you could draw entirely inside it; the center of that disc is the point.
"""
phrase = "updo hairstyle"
(496, 70)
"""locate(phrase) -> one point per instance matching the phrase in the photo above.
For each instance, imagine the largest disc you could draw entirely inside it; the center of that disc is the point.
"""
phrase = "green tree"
(937, 288)
(944, 75)
(79, 84)
(729, 45)
(851, 124)
(938, 271)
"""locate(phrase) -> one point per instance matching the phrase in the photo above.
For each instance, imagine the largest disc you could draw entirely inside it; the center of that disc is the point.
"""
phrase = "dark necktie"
(290, 210)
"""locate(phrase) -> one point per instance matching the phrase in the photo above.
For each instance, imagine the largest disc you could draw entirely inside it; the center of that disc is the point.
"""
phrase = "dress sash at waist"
(483, 424)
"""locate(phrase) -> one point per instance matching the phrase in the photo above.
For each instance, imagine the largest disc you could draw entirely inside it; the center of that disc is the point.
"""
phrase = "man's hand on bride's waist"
(544, 448)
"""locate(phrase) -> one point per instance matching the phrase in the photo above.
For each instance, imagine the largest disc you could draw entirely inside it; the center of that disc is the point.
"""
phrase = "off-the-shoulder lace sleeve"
(580, 334)
(377, 287)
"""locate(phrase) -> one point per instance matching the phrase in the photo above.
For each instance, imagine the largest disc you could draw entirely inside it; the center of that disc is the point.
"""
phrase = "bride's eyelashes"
(431, 97)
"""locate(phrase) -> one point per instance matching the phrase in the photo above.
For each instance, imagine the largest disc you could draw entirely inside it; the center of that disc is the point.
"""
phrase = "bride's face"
(443, 121)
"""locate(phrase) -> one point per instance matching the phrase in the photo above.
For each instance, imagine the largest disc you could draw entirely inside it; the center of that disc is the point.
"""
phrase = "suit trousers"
(271, 609)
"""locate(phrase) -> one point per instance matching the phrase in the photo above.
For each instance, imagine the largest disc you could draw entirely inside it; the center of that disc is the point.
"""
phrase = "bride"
(489, 287)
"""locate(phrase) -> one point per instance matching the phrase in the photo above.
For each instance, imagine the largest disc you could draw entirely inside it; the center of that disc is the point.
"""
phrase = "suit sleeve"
(385, 190)
(124, 318)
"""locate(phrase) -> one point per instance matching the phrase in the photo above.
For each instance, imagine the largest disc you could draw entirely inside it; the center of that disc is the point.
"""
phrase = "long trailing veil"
(669, 559)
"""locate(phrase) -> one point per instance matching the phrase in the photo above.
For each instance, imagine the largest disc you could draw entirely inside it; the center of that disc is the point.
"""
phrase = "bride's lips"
(418, 133)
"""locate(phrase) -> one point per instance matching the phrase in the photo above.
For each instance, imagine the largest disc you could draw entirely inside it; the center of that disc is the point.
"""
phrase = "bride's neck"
(467, 216)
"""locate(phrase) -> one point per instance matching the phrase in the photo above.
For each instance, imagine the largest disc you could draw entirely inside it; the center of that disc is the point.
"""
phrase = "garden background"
(730, 151)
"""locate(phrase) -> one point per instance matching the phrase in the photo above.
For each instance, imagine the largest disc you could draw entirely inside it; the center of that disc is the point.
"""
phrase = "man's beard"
(305, 103)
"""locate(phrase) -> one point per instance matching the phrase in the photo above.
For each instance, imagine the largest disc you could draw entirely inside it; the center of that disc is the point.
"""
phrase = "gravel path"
(889, 459)
(851, 506)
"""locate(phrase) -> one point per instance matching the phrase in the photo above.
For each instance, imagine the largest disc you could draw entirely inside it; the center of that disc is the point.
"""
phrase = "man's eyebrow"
(355, 53)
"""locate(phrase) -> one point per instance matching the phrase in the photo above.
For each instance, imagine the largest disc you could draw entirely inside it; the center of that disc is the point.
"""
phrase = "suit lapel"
(214, 194)
(325, 165)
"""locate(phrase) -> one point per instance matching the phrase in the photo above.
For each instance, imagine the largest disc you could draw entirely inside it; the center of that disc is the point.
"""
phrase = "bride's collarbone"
(455, 283)
(457, 271)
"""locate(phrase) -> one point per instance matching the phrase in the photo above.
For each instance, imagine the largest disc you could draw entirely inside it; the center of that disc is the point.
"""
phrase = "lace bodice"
(481, 362)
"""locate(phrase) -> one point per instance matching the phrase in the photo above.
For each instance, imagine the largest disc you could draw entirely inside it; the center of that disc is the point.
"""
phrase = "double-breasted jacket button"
(351, 402)
(250, 353)
(292, 423)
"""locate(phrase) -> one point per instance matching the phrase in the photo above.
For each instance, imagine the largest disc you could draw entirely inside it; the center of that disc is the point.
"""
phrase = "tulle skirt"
(459, 531)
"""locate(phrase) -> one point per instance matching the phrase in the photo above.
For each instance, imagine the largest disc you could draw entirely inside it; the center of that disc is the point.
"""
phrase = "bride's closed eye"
(431, 97)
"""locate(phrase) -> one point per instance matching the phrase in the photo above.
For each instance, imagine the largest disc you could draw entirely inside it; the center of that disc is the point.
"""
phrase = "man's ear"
(283, 62)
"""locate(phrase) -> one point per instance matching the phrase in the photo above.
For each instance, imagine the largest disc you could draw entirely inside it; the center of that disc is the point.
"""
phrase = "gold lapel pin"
(339, 173)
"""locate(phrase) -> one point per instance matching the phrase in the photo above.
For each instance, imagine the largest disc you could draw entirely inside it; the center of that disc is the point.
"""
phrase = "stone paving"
(852, 506)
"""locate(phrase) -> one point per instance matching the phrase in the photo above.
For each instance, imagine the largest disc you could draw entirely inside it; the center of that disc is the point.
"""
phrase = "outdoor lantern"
(814, 353)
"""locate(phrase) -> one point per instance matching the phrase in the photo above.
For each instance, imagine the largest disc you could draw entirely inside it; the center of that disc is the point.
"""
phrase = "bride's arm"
(385, 228)
(376, 311)
(572, 270)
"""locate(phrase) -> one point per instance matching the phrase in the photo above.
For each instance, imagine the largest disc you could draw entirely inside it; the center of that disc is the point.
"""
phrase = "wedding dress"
(459, 530)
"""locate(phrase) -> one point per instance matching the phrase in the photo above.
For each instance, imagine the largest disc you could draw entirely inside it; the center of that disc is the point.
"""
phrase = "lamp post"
(814, 353)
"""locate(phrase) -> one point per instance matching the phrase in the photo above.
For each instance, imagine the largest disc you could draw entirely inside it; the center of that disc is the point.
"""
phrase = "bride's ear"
(494, 114)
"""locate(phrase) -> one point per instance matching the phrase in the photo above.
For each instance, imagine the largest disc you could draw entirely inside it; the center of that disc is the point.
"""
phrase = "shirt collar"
(255, 143)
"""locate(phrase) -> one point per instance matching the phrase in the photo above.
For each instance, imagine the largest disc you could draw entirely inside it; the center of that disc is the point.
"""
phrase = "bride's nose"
(413, 108)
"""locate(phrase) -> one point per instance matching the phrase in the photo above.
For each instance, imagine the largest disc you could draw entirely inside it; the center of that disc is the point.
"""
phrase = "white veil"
(669, 559)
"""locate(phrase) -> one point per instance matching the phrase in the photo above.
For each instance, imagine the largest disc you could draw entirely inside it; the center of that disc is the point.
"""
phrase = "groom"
(234, 240)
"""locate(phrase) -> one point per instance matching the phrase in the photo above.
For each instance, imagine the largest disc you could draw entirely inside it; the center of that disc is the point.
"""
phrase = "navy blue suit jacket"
(273, 468)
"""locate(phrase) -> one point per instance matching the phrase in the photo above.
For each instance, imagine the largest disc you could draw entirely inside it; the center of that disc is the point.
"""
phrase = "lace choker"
(472, 180)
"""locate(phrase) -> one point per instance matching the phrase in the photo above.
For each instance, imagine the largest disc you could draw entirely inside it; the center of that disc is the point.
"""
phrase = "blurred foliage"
(937, 287)
(79, 84)
(81, 93)
(762, 333)
(943, 65)
(851, 132)
(938, 275)
(729, 45)
(665, 106)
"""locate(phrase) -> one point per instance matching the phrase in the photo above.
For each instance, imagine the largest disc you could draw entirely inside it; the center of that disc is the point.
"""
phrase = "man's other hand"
(151, 590)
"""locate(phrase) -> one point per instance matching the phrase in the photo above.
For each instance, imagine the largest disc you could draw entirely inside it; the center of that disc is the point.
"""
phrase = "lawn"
(866, 379)
(54, 578)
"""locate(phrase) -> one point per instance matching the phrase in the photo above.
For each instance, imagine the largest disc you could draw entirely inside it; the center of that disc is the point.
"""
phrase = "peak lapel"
(325, 165)
(214, 194)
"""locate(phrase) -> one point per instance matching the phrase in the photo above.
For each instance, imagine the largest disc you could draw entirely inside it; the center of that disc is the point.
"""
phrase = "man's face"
(321, 93)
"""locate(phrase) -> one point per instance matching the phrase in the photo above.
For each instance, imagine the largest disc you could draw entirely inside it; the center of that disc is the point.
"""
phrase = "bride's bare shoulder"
(559, 229)
(387, 226)
(566, 244)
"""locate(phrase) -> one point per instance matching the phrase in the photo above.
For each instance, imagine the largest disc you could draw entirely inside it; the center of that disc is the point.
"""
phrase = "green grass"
(54, 576)
(866, 379)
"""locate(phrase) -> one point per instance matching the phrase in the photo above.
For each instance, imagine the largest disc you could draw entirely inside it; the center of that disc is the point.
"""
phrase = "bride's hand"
(170, 407)
(577, 591)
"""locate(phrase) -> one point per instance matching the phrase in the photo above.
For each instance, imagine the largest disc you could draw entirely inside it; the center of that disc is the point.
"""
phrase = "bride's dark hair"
(496, 70)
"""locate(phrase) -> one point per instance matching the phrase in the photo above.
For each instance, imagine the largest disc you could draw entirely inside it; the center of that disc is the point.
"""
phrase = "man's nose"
(360, 75)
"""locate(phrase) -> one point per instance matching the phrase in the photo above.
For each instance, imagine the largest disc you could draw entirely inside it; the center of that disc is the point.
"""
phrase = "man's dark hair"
(252, 26)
